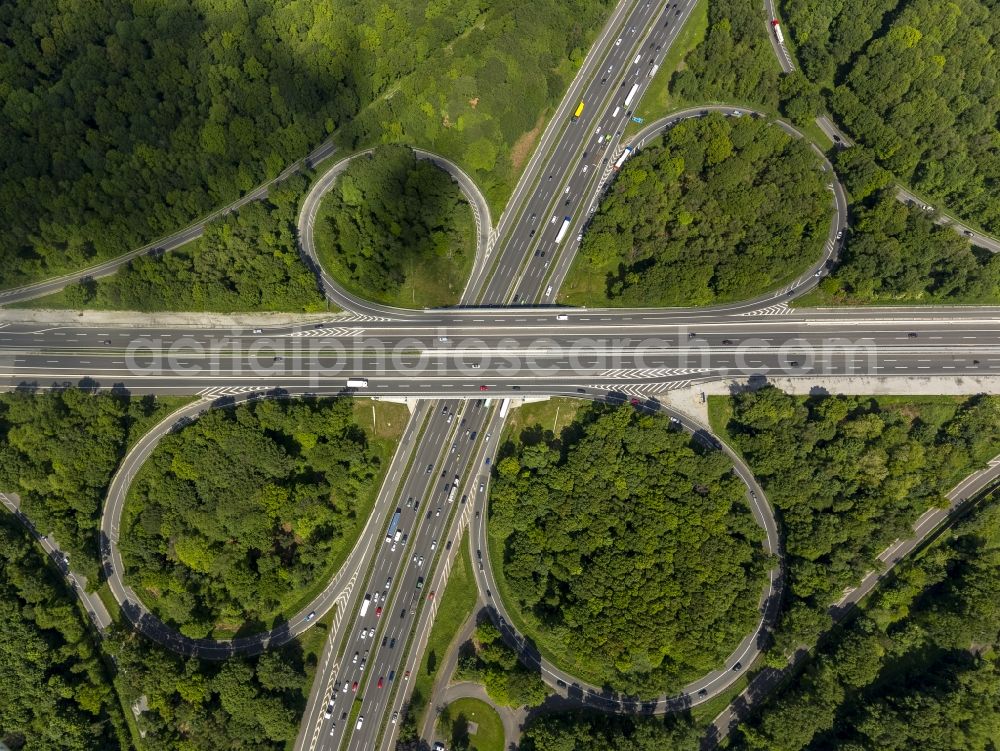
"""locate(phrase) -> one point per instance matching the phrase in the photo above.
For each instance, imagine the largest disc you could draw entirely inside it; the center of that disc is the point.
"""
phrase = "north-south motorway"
(453, 360)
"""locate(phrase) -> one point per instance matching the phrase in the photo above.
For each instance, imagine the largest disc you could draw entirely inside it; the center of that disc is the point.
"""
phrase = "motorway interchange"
(459, 364)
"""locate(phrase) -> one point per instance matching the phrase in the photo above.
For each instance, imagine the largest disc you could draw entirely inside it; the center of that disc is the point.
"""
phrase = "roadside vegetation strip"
(651, 647)
(716, 210)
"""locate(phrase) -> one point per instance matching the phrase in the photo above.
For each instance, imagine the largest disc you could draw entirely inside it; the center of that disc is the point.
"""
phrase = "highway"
(568, 172)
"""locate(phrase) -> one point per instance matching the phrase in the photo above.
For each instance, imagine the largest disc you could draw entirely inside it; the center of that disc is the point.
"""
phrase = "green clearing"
(456, 606)
(454, 722)
(552, 414)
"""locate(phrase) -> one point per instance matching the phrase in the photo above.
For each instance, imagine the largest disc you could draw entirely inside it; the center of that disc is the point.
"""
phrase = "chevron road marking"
(216, 392)
(649, 372)
(781, 309)
(361, 318)
(336, 331)
(642, 389)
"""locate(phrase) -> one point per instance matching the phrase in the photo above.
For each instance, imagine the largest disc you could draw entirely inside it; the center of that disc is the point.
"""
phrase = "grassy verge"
(489, 729)
(703, 714)
(657, 102)
(553, 414)
(819, 298)
(456, 606)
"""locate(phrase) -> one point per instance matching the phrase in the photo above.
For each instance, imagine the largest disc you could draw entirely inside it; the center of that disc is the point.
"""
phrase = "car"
(430, 468)
(475, 366)
(378, 612)
(364, 634)
(840, 234)
(346, 687)
(279, 358)
(634, 401)
(486, 461)
(409, 502)
(738, 666)
(618, 42)
(436, 513)
(258, 331)
(703, 692)
(727, 341)
(484, 388)
(381, 681)
(416, 505)
(531, 234)
(443, 339)
(967, 233)
(311, 615)
(333, 728)
(609, 67)
(434, 544)
(392, 643)
(420, 560)
(449, 419)
(430, 595)
(912, 335)
(361, 719)
(482, 487)
(329, 711)
(402, 613)
(388, 582)
(395, 716)
(355, 660)
(453, 447)
(581, 391)
(385, 640)
(406, 675)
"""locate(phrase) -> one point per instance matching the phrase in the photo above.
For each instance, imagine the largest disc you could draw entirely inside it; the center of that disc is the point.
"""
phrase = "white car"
(371, 632)
(434, 544)
(329, 711)
(618, 42)
(364, 633)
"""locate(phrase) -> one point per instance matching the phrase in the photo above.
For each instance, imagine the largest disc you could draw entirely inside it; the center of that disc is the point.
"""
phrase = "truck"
(504, 406)
(625, 155)
(652, 71)
(631, 94)
(777, 31)
(563, 230)
(357, 383)
(365, 604)
(579, 111)
(454, 491)
(393, 525)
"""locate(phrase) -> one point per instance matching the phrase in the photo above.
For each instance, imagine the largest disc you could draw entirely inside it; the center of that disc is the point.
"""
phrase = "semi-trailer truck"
(365, 604)
(357, 383)
(563, 230)
(777, 31)
(631, 94)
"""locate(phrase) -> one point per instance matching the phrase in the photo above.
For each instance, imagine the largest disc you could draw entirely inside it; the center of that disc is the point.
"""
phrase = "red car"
(378, 612)
(354, 687)
(634, 402)
(406, 675)
(380, 683)
(484, 388)
(431, 595)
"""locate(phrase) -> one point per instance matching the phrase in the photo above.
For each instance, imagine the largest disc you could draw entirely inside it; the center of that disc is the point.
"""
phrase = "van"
(562, 317)
(361, 719)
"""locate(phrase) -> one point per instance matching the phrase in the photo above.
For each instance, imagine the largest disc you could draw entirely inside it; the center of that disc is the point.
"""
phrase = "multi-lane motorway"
(454, 361)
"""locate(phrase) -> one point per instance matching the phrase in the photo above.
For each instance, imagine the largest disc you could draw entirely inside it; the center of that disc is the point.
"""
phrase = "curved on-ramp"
(336, 592)
(711, 684)
(333, 290)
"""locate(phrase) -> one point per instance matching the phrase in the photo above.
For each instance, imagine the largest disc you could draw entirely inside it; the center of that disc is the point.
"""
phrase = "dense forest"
(125, 121)
(246, 261)
(397, 229)
(896, 253)
(233, 517)
(58, 451)
(628, 537)
(734, 63)
(847, 475)
(717, 209)
(587, 731)
(487, 659)
(242, 703)
(917, 82)
(55, 692)
(918, 668)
